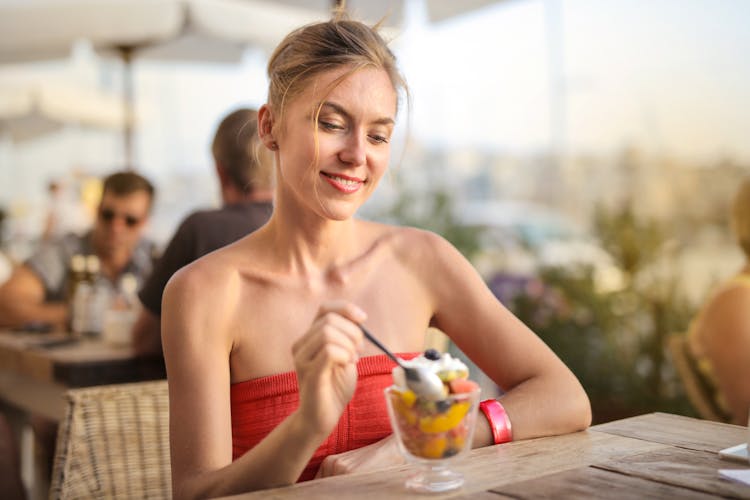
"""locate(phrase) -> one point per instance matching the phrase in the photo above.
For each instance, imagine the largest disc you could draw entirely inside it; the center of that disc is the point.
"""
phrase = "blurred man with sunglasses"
(35, 294)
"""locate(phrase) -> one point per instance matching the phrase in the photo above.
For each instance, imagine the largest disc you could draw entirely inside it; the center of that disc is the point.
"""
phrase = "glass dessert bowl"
(434, 432)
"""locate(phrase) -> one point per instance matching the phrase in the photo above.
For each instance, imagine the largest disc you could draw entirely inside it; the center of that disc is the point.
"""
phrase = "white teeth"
(346, 182)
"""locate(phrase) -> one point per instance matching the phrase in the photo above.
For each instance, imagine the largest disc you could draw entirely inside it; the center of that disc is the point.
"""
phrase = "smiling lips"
(343, 183)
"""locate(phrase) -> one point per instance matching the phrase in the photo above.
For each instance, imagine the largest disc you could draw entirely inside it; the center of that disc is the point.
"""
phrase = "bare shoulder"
(731, 297)
(209, 272)
(430, 254)
(419, 245)
(201, 293)
(433, 261)
(729, 310)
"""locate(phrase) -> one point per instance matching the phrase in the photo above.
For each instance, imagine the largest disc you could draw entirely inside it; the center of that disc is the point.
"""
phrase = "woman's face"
(353, 131)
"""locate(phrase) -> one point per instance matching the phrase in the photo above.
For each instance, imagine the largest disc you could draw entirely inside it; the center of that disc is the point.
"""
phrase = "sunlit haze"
(521, 77)
(670, 76)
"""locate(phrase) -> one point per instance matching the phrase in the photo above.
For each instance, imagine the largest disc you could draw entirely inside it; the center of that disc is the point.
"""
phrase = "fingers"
(343, 308)
(383, 453)
(334, 334)
(332, 465)
(325, 359)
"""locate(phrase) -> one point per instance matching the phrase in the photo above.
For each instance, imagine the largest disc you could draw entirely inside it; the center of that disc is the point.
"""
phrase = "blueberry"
(443, 405)
(432, 354)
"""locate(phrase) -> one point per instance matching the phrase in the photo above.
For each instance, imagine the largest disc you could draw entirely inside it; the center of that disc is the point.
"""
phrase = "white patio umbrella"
(32, 110)
(177, 30)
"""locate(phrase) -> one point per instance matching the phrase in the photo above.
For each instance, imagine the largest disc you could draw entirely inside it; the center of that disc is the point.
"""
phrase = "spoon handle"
(380, 346)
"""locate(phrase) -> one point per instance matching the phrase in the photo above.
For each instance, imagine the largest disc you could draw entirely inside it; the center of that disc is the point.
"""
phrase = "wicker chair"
(114, 443)
(695, 386)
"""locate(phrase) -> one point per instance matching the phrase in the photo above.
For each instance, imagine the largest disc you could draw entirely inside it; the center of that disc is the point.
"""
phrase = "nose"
(119, 223)
(117, 226)
(354, 150)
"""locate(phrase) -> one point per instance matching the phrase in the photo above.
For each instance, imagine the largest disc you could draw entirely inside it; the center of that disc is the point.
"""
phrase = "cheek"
(295, 169)
(301, 152)
(380, 161)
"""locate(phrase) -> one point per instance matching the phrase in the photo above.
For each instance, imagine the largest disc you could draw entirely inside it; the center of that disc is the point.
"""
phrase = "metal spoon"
(423, 382)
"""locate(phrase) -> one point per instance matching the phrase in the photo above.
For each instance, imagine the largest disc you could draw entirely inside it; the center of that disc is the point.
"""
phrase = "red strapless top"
(259, 405)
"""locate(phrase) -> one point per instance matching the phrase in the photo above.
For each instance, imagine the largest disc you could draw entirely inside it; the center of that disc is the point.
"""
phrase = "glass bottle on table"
(122, 311)
(76, 276)
(79, 305)
(90, 301)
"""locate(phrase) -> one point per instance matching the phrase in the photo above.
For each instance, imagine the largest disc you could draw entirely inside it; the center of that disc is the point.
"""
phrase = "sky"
(671, 77)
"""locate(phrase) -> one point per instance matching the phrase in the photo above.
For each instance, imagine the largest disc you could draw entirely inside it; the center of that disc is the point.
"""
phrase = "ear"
(221, 173)
(265, 127)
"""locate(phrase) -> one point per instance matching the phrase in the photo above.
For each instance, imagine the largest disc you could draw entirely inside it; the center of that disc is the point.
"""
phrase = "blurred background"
(582, 153)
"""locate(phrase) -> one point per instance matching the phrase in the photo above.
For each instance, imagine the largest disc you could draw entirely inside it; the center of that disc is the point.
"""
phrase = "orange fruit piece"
(461, 385)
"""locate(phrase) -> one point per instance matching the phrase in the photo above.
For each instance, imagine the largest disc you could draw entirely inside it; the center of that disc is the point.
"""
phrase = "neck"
(314, 246)
(113, 263)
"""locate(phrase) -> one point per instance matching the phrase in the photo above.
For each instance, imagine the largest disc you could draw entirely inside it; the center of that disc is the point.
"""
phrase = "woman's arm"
(197, 354)
(542, 396)
(726, 342)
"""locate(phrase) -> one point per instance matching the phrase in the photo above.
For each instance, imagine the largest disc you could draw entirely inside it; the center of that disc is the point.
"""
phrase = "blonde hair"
(320, 47)
(741, 216)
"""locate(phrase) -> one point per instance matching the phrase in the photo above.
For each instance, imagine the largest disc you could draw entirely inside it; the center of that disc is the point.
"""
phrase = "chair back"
(696, 387)
(114, 443)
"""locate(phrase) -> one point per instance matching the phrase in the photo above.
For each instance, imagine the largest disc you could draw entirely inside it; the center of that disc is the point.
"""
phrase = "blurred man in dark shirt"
(245, 173)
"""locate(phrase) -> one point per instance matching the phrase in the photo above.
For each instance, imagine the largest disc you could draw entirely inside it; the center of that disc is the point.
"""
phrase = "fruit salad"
(434, 429)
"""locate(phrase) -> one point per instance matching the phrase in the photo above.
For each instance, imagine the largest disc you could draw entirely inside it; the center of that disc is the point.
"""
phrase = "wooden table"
(36, 369)
(656, 455)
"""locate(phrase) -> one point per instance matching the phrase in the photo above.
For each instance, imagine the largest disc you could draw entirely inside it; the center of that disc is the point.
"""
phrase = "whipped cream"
(445, 363)
(446, 367)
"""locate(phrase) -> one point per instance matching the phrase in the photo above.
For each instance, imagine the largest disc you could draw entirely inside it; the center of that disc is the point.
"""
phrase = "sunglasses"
(108, 215)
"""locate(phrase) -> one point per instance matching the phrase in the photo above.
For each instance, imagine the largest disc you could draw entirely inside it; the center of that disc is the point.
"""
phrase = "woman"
(719, 338)
(263, 334)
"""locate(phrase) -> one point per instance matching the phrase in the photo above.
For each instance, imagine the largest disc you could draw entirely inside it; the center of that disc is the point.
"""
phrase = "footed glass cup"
(433, 434)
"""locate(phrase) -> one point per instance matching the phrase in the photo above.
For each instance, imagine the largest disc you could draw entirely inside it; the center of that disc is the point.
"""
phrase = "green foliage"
(633, 243)
(615, 341)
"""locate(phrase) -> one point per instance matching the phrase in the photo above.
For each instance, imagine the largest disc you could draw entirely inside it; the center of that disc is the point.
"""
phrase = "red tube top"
(259, 405)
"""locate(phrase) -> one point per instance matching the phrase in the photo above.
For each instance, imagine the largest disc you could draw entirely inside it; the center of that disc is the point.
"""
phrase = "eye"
(326, 125)
(380, 139)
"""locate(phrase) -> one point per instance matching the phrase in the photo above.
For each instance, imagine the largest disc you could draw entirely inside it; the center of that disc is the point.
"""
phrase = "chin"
(339, 211)
(338, 214)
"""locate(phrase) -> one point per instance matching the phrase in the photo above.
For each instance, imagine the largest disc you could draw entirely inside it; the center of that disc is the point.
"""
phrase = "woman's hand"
(378, 455)
(325, 359)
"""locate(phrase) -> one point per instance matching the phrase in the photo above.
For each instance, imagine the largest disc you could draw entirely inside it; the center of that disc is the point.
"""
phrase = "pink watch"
(502, 431)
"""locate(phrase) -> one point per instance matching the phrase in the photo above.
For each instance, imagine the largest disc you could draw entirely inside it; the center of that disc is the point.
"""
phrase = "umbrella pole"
(127, 87)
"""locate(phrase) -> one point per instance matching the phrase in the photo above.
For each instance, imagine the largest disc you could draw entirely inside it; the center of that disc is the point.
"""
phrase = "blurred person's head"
(244, 168)
(741, 216)
(53, 187)
(123, 212)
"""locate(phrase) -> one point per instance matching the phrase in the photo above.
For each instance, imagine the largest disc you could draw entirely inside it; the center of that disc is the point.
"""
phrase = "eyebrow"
(386, 120)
